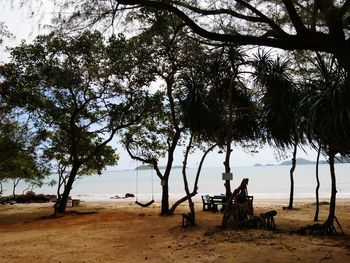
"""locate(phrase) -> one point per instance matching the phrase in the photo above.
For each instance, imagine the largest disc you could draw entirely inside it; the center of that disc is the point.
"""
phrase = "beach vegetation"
(326, 111)
(83, 90)
(20, 156)
(219, 109)
(79, 93)
(280, 97)
(165, 54)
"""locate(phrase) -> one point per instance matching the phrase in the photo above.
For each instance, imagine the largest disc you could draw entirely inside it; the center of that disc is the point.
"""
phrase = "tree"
(280, 100)
(162, 51)
(200, 115)
(19, 155)
(319, 25)
(326, 111)
(317, 185)
(218, 107)
(80, 94)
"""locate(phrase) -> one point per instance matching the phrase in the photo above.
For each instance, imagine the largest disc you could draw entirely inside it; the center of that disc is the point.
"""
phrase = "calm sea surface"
(265, 182)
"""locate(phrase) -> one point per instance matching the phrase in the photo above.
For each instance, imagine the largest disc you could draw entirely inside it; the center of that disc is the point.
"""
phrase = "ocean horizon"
(265, 182)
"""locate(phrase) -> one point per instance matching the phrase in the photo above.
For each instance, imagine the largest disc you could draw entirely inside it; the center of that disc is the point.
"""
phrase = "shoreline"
(197, 200)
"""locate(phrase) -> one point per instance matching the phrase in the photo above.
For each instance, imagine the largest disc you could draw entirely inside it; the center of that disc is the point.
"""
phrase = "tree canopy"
(319, 25)
(80, 93)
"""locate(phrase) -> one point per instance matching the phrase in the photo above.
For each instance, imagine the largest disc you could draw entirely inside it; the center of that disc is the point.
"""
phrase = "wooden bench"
(207, 204)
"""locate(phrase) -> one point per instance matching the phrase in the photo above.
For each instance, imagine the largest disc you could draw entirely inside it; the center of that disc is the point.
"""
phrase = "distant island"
(268, 164)
(303, 161)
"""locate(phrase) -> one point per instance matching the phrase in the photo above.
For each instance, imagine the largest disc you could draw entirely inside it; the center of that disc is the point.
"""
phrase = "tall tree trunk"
(165, 198)
(328, 227)
(165, 181)
(229, 135)
(318, 185)
(60, 206)
(15, 183)
(332, 204)
(187, 190)
(175, 125)
(228, 168)
(291, 174)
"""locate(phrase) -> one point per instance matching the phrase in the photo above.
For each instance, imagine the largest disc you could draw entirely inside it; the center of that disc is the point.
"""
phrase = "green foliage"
(149, 138)
(325, 106)
(280, 98)
(212, 85)
(158, 55)
(19, 154)
(80, 94)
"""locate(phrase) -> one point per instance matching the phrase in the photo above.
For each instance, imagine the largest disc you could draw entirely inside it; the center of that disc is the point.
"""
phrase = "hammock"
(137, 191)
(145, 204)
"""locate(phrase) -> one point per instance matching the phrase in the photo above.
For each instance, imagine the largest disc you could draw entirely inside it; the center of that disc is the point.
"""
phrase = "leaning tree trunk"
(60, 206)
(291, 174)
(317, 186)
(195, 186)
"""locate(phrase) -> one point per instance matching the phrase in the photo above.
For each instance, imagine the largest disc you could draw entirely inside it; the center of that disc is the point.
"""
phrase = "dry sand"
(124, 232)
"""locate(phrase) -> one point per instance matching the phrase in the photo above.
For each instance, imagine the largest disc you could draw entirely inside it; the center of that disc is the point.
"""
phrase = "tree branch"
(153, 162)
(264, 18)
(294, 17)
(333, 20)
(220, 11)
(320, 41)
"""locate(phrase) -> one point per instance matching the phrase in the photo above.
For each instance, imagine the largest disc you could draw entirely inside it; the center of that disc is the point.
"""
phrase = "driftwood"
(266, 220)
(239, 212)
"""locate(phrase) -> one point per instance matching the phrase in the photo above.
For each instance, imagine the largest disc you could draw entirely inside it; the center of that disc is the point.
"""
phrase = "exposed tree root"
(330, 227)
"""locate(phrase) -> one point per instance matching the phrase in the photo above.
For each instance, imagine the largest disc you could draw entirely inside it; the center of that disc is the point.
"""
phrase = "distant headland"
(303, 161)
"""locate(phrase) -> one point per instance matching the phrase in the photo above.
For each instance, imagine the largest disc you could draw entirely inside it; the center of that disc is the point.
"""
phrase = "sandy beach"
(120, 231)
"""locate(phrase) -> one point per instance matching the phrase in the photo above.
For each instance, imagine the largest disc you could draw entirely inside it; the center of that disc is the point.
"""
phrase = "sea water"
(265, 182)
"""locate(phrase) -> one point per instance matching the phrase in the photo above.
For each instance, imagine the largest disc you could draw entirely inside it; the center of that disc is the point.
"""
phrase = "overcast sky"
(24, 26)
